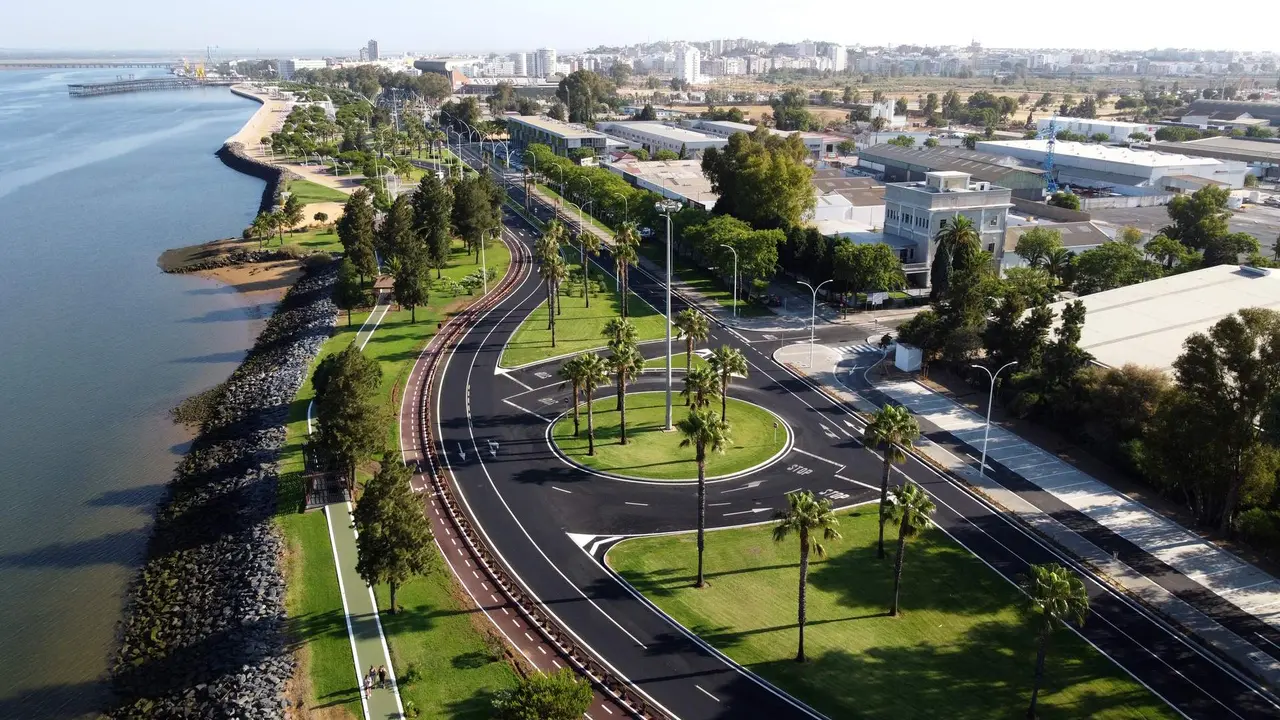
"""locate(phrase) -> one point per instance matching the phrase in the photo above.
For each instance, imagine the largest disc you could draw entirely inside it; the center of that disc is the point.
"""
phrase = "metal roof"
(1269, 111)
(979, 165)
(1225, 148)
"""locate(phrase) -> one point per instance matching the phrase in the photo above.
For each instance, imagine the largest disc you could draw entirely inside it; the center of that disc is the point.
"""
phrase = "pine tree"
(351, 423)
(393, 541)
(432, 210)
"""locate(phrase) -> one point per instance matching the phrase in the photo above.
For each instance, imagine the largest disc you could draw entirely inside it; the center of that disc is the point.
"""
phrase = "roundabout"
(651, 453)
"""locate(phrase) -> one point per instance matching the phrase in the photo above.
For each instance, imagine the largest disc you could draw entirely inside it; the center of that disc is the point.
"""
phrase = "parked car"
(646, 232)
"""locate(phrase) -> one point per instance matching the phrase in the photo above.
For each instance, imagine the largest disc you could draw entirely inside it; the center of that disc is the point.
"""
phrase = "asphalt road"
(535, 511)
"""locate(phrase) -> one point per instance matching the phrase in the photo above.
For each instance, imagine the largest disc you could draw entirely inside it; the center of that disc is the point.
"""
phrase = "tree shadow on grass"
(472, 660)
(477, 707)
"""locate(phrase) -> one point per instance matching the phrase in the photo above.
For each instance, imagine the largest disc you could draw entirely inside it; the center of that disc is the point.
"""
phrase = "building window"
(995, 221)
(906, 218)
(991, 247)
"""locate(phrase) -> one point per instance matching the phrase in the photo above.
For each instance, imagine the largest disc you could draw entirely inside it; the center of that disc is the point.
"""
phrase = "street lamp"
(626, 215)
(735, 277)
(484, 266)
(665, 208)
(991, 396)
(813, 313)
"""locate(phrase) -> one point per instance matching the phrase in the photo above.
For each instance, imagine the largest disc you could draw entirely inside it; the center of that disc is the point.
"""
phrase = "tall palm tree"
(625, 255)
(726, 362)
(704, 432)
(588, 242)
(910, 507)
(700, 385)
(890, 429)
(626, 362)
(620, 332)
(261, 227)
(1056, 262)
(693, 328)
(572, 374)
(554, 272)
(960, 240)
(1055, 597)
(595, 372)
(807, 517)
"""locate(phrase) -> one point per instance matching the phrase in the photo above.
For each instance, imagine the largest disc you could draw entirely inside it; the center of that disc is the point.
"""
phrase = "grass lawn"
(652, 453)
(703, 281)
(677, 362)
(316, 239)
(309, 192)
(960, 650)
(437, 621)
(578, 327)
(553, 195)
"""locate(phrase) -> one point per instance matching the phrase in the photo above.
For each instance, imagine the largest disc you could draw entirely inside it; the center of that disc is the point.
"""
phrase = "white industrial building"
(654, 136)
(1098, 166)
(884, 109)
(1117, 131)
(819, 145)
(688, 63)
(680, 180)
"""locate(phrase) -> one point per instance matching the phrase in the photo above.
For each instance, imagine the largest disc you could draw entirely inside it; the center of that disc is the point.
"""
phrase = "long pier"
(27, 64)
(140, 85)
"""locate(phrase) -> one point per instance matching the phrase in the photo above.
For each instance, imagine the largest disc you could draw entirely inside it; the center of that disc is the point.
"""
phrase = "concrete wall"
(1052, 212)
(1125, 201)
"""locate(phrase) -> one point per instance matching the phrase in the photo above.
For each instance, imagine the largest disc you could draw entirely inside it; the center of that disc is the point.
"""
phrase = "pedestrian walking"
(368, 687)
(382, 676)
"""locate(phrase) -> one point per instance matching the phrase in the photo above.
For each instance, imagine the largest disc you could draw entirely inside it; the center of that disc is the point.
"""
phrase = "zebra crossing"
(857, 349)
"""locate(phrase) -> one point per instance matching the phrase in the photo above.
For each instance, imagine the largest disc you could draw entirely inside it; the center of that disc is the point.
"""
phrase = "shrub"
(317, 261)
(293, 252)
(1261, 529)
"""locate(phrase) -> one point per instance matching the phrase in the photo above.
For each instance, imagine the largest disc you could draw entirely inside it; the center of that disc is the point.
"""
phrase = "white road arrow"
(745, 512)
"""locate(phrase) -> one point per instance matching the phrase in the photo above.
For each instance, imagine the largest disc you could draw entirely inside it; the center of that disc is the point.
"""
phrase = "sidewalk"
(1214, 571)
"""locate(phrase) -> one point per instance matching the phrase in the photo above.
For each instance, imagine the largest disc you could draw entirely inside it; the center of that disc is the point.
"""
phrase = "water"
(96, 344)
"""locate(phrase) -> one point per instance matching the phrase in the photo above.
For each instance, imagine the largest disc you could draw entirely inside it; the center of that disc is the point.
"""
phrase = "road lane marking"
(704, 692)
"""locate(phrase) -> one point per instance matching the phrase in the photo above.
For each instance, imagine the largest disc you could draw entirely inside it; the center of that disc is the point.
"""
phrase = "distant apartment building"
(688, 63)
(545, 62)
(371, 51)
(520, 64)
(839, 58)
(289, 66)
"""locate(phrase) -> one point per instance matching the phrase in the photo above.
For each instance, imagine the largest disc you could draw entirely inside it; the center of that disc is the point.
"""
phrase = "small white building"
(884, 109)
(1117, 131)
(655, 136)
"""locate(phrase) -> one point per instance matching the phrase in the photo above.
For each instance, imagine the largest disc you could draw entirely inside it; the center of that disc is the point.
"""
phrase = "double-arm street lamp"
(666, 207)
(813, 313)
(991, 396)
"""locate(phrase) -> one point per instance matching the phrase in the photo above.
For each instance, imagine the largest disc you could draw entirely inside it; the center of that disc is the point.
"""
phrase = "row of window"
(922, 221)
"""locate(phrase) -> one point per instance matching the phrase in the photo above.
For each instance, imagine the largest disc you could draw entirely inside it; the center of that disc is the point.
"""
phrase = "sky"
(433, 27)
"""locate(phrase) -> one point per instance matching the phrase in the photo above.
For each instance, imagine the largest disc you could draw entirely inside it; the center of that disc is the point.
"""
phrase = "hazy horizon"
(332, 27)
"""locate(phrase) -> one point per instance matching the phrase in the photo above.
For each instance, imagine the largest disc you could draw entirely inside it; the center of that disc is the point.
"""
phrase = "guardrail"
(578, 656)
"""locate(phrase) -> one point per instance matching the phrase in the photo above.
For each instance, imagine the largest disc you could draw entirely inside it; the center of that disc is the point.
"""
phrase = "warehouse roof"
(1147, 323)
(1269, 111)
(1075, 235)
(1225, 148)
(979, 165)
(671, 132)
(555, 127)
(1091, 151)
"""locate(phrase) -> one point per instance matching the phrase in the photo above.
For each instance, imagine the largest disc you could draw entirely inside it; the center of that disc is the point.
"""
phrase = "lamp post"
(735, 277)
(484, 266)
(665, 208)
(626, 215)
(991, 396)
(813, 313)
(530, 177)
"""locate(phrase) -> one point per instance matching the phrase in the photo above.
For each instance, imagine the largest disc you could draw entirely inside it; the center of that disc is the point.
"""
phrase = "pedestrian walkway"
(831, 371)
(364, 628)
(857, 349)
(1223, 574)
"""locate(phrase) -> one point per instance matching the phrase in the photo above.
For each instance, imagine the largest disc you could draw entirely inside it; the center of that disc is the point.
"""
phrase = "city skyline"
(400, 26)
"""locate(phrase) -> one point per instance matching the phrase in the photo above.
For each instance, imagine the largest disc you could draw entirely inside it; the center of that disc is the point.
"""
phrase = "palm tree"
(693, 328)
(620, 332)
(553, 272)
(890, 429)
(1056, 262)
(704, 432)
(587, 243)
(806, 516)
(625, 255)
(262, 227)
(727, 362)
(595, 372)
(278, 223)
(626, 362)
(1055, 596)
(910, 507)
(572, 373)
(700, 385)
(960, 240)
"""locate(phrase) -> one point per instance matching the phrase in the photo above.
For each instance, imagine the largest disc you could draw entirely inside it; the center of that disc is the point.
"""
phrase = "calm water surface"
(96, 344)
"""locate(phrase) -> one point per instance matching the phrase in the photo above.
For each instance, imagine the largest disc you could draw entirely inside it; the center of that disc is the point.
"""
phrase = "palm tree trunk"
(575, 410)
(1035, 687)
(804, 581)
(884, 497)
(724, 397)
(591, 425)
(621, 392)
(897, 565)
(622, 410)
(702, 509)
(551, 306)
(626, 288)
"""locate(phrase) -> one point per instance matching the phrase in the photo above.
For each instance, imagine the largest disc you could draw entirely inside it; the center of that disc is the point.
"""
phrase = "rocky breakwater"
(233, 155)
(204, 631)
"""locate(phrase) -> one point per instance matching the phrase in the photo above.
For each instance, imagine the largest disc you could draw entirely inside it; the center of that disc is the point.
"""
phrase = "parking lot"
(1259, 221)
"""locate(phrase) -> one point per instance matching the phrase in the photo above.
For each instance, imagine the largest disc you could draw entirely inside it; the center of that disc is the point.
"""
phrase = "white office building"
(688, 63)
(1098, 166)
(289, 66)
(914, 212)
(839, 58)
(1117, 131)
(520, 64)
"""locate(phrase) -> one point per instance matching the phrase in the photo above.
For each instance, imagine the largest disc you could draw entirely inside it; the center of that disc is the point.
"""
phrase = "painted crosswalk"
(857, 349)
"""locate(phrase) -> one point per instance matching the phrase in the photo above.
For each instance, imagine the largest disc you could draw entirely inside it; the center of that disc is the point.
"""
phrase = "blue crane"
(1050, 134)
